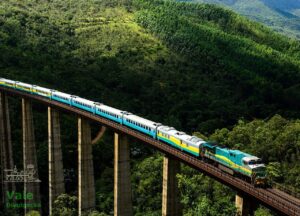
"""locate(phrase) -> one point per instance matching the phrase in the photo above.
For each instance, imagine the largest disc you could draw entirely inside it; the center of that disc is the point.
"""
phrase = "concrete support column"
(99, 135)
(86, 187)
(56, 172)
(29, 152)
(122, 183)
(245, 205)
(6, 154)
(171, 205)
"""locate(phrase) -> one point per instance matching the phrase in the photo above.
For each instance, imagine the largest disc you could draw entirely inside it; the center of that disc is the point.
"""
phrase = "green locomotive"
(236, 162)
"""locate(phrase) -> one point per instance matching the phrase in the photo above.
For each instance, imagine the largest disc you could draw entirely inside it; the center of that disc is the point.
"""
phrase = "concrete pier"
(6, 153)
(55, 161)
(29, 152)
(86, 185)
(122, 183)
(171, 205)
(245, 205)
(99, 135)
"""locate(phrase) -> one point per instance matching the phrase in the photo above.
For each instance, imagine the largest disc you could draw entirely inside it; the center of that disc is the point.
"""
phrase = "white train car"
(24, 87)
(7, 83)
(179, 139)
(141, 124)
(109, 112)
(45, 92)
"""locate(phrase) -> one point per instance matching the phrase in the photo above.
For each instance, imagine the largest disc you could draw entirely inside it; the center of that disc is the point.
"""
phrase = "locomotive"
(234, 162)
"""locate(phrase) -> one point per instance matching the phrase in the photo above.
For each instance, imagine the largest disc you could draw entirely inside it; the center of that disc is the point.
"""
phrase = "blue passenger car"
(82, 103)
(61, 97)
(109, 112)
(141, 124)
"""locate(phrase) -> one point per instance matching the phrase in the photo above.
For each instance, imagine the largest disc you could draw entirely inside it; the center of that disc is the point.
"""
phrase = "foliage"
(65, 205)
(276, 141)
(33, 213)
(203, 196)
(262, 212)
(95, 213)
(281, 15)
(274, 171)
(147, 187)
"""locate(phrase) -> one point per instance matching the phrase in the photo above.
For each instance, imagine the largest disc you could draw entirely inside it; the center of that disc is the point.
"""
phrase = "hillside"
(194, 67)
(281, 15)
(197, 68)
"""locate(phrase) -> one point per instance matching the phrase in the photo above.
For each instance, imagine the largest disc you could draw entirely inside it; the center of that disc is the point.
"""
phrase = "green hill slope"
(281, 15)
(194, 67)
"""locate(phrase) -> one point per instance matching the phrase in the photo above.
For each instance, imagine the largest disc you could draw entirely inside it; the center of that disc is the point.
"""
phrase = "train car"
(83, 104)
(24, 87)
(141, 124)
(236, 162)
(8, 83)
(45, 92)
(180, 140)
(2, 81)
(61, 97)
(108, 112)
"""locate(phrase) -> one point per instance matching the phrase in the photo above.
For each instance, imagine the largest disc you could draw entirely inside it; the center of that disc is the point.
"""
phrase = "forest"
(281, 15)
(200, 68)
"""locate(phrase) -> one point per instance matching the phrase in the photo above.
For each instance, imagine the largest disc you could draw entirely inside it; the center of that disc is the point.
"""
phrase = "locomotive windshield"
(253, 162)
(260, 171)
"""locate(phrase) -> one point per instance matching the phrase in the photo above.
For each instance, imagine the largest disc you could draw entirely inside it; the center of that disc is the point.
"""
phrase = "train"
(234, 162)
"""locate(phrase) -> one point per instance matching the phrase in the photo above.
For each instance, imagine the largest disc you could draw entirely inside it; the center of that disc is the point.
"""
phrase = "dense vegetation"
(195, 67)
(281, 15)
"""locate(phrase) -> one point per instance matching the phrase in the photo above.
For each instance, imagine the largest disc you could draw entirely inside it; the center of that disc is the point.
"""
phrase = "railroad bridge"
(247, 196)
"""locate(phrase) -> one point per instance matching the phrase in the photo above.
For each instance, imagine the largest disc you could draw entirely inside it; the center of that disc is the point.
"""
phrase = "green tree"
(65, 205)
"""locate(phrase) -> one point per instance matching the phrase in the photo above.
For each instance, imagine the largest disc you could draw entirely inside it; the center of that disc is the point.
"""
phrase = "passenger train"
(234, 162)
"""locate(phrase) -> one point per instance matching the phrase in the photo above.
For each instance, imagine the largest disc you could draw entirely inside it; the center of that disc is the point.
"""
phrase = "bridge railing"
(295, 192)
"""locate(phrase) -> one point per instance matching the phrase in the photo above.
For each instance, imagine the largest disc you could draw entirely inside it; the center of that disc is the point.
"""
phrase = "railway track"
(285, 196)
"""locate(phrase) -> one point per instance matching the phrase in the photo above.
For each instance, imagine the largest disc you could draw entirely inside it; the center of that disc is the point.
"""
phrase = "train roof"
(61, 93)
(238, 152)
(7, 80)
(141, 120)
(108, 108)
(41, 88)
(83, 100)
(173, 132)
(249, 158)
(23, 84)
(195, 139)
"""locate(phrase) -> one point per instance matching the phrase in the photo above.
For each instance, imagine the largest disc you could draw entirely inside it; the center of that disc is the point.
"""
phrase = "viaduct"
(247, 196)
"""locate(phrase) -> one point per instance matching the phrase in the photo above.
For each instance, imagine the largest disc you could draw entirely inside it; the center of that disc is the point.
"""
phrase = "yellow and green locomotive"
(237, 163)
